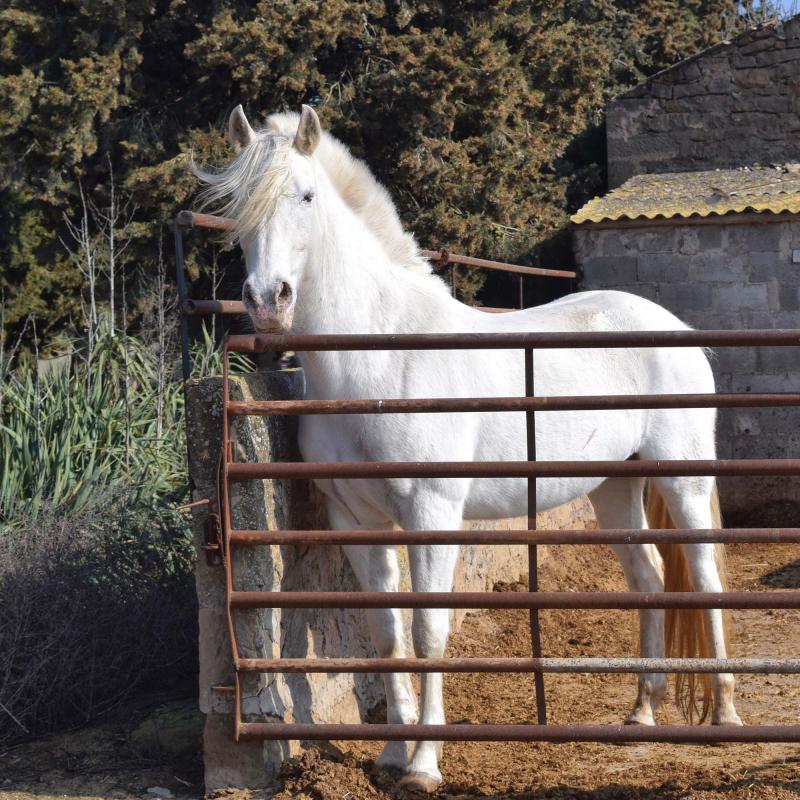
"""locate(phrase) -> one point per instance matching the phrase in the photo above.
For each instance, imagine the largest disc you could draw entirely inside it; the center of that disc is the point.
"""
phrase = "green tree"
(480, 117)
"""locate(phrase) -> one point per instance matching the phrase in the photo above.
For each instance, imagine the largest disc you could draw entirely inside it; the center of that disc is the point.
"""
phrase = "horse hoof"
(731, 718)
(394, 771)
(640, 718)
(644, 720)
(419, 782)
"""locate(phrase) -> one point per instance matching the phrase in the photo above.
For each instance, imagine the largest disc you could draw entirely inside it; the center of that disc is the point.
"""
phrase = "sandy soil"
(109, 762)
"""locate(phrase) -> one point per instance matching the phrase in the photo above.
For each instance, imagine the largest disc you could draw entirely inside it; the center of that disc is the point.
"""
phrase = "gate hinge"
(213, 544)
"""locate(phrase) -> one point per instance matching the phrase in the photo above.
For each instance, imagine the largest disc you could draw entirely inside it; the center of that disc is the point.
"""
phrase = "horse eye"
(308, 197)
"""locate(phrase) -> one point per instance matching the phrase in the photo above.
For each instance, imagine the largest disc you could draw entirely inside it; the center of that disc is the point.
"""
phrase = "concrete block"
(750, 319)
(613, 243)
(688, 241)
(710, 237)
(764, 267)
(646, 290)
(654, 240)
(734, 360)
(707, 319)
(679, 297)
(736, 296)
(662, 267)
(779, 360)
(609, 270)
(690, 89)
(786, 319)
(229, 764)
(756, 238)
(768, 382)
(718, 266)
(584, 243)
(661, 90)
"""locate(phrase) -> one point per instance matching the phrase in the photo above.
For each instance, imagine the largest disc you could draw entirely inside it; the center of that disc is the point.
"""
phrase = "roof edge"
(721, 45)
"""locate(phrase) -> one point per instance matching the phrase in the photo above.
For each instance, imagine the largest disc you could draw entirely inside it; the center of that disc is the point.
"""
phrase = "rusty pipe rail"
(279, 408)
(511, 469)
(250, 538)
(443, 257)
(204, 308)
(554, 666)
(265, 343)
(609, 734)
(619, 601)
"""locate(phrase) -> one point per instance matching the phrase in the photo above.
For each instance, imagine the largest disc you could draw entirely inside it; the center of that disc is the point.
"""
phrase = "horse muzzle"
(270, 311)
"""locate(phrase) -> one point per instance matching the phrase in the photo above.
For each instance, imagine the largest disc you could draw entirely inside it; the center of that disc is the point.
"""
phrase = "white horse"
(325, 253)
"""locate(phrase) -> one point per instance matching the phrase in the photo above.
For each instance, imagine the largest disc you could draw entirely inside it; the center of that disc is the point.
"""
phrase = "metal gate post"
(533, 554)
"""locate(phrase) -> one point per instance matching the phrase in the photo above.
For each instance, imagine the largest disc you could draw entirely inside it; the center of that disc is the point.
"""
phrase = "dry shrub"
(92, 606)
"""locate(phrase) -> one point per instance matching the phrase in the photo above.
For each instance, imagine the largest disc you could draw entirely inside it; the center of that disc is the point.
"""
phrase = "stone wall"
(735, 104)
(712, 276)
(294, 633)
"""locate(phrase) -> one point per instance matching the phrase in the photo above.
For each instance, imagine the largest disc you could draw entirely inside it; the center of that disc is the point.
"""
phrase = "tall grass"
(67, 436)
(96, 565)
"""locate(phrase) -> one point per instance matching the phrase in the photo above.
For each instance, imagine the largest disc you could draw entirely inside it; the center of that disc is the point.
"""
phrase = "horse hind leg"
(692, 503)
(618, 504)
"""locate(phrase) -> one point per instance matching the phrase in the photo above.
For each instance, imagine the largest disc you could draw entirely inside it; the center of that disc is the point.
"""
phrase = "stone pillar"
(292, 633)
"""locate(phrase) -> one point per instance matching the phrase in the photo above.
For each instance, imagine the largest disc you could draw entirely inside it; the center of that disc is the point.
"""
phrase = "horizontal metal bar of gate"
(257, 470)
(459, 732)
(484, 263)
(201, 308)
(204, 308)
(263, 343)
(277, 408)
(572, 600)
(190, 219)
(489, 536)
(751, 666)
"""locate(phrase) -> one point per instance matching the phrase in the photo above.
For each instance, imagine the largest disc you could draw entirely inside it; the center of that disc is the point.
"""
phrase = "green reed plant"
(68, 435)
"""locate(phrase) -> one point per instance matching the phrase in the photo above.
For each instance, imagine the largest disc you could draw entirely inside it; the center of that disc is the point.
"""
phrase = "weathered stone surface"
(741, 276)
(736, 104)
(292, 633)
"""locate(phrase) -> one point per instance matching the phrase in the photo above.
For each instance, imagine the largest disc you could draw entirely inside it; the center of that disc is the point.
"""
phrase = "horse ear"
(240, 133)
(309, 131)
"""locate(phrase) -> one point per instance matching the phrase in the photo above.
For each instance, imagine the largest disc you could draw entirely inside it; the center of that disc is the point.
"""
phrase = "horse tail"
(686, 633)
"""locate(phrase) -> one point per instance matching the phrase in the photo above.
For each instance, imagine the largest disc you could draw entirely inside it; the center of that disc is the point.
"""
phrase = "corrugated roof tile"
(772, 190)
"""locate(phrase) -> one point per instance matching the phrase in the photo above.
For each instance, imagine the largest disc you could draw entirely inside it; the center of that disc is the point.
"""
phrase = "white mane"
(248, 188)
(360, 190)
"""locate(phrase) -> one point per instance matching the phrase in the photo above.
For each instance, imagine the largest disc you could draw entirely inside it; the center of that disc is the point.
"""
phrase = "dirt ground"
(118, 760)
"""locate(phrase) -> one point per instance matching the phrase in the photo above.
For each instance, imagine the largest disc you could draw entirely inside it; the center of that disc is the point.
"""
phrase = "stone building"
(703, 217)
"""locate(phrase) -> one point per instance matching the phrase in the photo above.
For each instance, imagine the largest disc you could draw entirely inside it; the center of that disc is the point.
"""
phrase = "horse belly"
(560, 436)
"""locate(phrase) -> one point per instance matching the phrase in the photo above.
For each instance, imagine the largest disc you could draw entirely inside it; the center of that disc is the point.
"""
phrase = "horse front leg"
(432, 570)
(377, 570)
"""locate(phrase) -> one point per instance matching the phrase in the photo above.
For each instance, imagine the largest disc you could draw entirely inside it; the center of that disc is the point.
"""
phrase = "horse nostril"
(285, 293)
(250, 296)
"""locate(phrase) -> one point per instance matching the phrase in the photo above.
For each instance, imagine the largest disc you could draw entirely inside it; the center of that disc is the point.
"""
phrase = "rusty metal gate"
(224, 539)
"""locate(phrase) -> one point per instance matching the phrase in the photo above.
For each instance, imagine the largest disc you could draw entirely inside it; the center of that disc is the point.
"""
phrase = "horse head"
(271, 189)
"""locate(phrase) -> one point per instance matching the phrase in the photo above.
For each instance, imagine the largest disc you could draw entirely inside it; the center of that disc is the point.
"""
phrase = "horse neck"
(351, 286)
